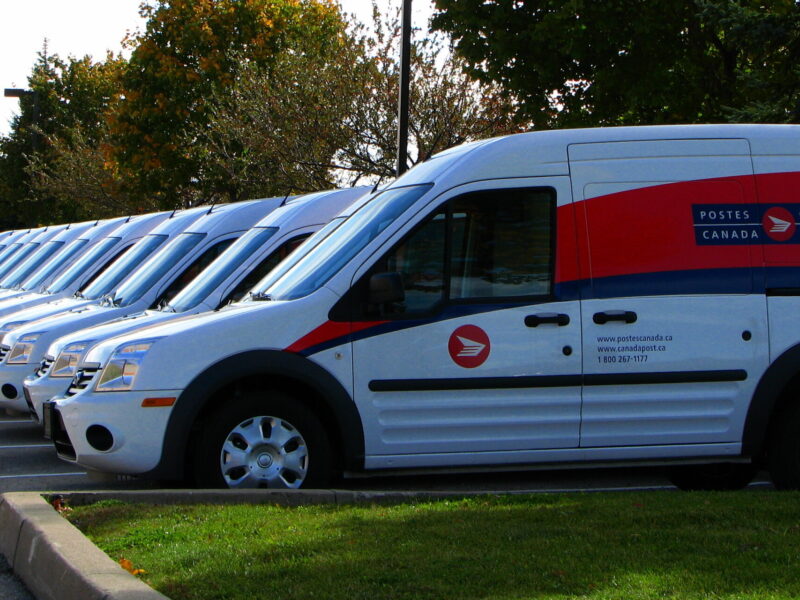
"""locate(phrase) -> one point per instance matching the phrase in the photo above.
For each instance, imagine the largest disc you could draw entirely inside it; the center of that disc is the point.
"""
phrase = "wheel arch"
(262, 369)
(779, 385)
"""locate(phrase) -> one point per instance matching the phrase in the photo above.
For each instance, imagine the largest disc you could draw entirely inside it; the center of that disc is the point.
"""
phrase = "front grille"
(82, 380)
(44, 367)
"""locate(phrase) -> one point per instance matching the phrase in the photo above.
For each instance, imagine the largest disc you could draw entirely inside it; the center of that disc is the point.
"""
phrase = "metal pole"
(20, 93)
(405, 75)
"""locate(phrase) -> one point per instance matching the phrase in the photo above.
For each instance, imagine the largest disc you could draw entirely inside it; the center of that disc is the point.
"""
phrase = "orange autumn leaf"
(128, 566)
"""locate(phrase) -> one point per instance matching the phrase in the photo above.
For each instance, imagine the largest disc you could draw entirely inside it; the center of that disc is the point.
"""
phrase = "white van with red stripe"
(605, 296)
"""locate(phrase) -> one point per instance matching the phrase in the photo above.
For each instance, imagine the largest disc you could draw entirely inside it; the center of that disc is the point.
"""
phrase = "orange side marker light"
(151, 402)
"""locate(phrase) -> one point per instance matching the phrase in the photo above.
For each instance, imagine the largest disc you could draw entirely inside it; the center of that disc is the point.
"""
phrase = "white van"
(51, 258)
(104, 248)
(18, 242)
(32, 244)
(227, 279)
(28, 333)
(9, 239)
(565, 297)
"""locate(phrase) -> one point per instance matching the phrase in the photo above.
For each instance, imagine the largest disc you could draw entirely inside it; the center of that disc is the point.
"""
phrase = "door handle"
(559, 319)
(626, 316)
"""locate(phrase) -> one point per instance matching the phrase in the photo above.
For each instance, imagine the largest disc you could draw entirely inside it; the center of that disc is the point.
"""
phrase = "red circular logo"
(469, 346)
(779, 224)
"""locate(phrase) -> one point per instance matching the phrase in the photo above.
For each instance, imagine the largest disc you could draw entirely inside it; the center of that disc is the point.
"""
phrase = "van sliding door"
(673, 327)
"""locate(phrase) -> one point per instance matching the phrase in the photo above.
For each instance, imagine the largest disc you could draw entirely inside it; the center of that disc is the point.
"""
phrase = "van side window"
(482, 246)
(192, 271)
(264, 267)
(502, 244)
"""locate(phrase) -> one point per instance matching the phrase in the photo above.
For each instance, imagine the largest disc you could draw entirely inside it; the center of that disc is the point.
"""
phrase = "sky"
(80, 27)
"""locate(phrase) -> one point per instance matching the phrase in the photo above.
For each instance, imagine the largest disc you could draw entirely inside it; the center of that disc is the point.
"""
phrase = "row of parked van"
(592, 297)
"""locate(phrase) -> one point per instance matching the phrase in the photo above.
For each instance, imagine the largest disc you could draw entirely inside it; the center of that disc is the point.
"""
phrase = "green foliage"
(447, 107)
(314, 120)
(599, 546)
(190, 51)
(584, 63)
(68, 95)
(223, 100)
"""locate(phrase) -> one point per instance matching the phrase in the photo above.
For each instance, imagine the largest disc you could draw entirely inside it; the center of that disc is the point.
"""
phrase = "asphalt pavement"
(11, 588)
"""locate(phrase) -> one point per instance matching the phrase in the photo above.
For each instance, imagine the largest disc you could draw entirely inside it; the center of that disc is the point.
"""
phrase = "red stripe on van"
(651, 229)
(329, 331)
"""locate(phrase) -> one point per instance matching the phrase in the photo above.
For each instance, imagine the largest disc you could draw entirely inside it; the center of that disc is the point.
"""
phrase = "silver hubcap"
(264, 452)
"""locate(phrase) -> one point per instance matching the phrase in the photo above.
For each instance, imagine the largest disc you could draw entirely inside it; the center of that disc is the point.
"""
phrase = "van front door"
(477, 358)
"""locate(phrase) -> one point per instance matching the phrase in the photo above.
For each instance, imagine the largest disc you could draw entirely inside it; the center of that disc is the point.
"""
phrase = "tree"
(189, 54)
(583, 63)
(75, 170)
(70, 95)
(313, 121)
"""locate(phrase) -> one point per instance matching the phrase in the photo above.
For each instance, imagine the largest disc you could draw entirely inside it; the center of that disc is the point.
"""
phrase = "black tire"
(264, 460)
(712, 477)
(783, 450)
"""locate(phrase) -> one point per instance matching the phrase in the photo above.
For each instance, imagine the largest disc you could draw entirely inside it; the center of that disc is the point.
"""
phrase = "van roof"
(542, 153)
(317, 207)
(235, 216)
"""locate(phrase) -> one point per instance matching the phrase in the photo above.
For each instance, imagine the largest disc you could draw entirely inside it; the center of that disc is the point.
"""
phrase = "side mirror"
(386, 287)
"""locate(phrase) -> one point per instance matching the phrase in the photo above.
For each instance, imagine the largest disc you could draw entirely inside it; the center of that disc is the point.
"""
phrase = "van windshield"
(142, 279)
(330, 255)
(123, 266)
(213, 275)
(12, 262)
(8, 251)
(19, 274)
(62, 258)
(290, 261)
(79, 266)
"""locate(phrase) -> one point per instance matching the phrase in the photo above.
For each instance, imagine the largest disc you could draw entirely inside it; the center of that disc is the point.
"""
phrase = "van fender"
(766, 398)
(258, 364)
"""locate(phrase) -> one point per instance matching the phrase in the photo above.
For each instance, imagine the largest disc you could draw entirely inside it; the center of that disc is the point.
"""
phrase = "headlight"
(21, 351)
(123, 366)
(68, 360)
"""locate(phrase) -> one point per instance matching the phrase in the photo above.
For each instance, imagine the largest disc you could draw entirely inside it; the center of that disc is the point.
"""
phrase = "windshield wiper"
(260, 297)
(109, 300)
(164, 306)
(79, 294)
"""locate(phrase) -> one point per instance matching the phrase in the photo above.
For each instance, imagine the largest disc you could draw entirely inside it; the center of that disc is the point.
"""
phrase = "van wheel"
(712, 477)
(783, 452)
(262, 440)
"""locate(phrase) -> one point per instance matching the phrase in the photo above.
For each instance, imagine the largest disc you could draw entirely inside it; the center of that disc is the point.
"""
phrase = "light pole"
(405, 75)
(20, 93)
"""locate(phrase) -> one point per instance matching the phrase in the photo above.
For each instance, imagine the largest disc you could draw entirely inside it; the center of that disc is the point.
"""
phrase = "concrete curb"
(57, 562)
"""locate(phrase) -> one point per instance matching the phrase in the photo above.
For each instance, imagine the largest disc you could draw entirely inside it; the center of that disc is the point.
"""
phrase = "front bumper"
(38, 390)
(111, 431)
(11, 388)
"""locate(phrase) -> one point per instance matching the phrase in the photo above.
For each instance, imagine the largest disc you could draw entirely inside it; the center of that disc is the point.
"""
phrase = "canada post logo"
(741, 224)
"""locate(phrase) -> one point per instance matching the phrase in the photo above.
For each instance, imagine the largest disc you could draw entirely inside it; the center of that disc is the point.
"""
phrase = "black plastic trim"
(783, 291)
(473, 383)
(262, 364)
(666, 377)
(541, 381)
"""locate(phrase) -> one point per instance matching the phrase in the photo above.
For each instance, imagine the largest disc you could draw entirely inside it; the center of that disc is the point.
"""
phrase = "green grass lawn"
(599, 545)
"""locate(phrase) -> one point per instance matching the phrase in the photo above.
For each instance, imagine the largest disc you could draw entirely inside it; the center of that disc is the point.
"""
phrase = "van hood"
(117, 327)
